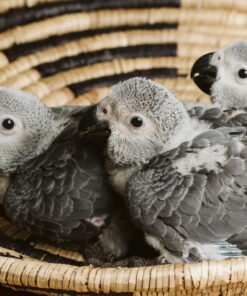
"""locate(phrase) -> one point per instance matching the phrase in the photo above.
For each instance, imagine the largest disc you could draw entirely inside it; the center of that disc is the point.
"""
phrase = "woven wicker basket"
(70, 52)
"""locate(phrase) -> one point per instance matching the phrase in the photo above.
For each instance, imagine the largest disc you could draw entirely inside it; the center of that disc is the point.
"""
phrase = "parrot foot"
(161, 260)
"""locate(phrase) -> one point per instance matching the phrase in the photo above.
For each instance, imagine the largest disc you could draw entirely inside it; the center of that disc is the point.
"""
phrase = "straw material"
(6, 5)
(206, 278)
(71, 52)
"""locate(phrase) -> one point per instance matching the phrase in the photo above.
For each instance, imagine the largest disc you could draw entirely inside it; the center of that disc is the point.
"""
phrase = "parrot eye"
(8, 124)
(136, 121)
(242, 73)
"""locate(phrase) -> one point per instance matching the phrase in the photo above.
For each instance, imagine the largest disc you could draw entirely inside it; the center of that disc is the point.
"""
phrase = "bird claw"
(161, 260)
(110, 258)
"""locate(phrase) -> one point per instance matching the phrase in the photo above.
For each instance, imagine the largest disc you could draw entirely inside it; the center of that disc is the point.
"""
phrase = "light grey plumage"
(184, 179)
(57, 187)
(223, 75)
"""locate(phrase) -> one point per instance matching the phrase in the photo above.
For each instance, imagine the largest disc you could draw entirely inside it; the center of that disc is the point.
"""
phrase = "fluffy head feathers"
(26, 128)
(142, 116)
(223, 75)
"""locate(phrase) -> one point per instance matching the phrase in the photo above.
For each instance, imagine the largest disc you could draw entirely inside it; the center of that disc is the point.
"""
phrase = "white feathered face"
(223, 75)
(15, 139)
(230, 88)
(142, 115)
(24, 124)
(10, 127)
(231, 63)
(134, 136)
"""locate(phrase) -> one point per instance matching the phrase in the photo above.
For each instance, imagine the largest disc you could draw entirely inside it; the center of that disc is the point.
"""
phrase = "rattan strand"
(195, 35)
(6, 5)
(221, 4)
(186, 47)
(227, 4)
(29, 78)
(9, 229)
(110, 18)
(14, 254)
(47, 85)
(185, 90)
(168, 278)
(15, 233)
(218, 32)
(59, 251)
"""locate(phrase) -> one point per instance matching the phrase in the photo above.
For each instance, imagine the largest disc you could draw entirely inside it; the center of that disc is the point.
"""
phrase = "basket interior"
(70, 53)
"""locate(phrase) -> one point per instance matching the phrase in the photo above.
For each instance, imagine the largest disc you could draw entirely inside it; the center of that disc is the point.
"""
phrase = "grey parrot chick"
(223, 75)
(183, 179)
(24, 122)
(54, 182)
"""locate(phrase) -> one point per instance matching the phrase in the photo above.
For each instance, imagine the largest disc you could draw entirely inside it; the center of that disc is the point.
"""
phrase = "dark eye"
(8, 124)
(242, 73)
(136, 121)
(104, 110)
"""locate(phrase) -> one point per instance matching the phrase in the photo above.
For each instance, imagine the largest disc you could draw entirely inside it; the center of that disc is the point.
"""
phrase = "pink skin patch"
(98, 221)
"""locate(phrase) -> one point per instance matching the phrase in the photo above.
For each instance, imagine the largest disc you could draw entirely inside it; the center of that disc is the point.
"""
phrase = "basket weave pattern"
(71, 52)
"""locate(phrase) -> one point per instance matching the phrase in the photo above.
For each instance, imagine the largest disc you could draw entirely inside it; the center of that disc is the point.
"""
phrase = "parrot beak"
(91, 128)
(203, 73)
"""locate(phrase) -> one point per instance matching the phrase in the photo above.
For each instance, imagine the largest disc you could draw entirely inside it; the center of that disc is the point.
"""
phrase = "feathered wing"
(199, 206)
(62, 194)
(213, 114)
(219, 117)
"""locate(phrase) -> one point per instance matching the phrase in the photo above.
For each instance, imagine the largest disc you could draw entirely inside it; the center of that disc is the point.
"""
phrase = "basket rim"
(179, 277)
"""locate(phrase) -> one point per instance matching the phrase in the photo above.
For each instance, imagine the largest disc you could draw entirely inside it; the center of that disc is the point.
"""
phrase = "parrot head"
(141, 115)
(223, 75)
(25, 128)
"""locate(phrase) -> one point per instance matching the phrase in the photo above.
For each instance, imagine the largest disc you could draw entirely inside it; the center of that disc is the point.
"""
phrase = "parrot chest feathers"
(119, 177)
(192, 128)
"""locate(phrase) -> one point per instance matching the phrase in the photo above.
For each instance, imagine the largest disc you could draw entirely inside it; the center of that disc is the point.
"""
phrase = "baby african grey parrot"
(56, 188)
(184, 180)
(223, 75)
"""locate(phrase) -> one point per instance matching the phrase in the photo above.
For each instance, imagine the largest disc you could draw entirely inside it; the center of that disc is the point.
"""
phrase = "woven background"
(70, 52)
